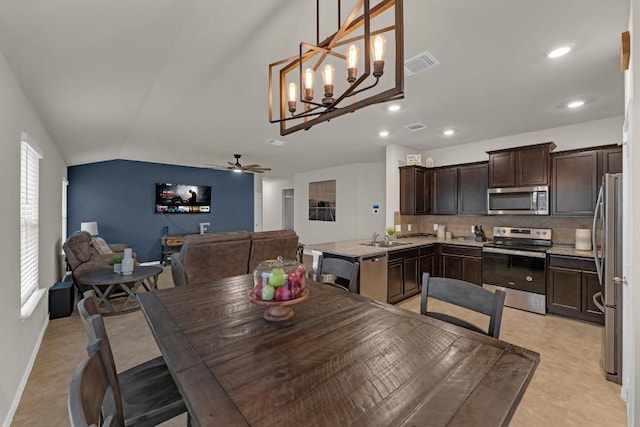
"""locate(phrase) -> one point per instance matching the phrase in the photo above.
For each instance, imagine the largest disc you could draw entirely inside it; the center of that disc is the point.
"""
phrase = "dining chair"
(146, 394)
(87, 394)
(467, 295)
(342, 269)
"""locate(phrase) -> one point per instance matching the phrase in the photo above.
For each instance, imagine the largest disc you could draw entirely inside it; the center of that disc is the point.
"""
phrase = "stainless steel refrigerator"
(607, 222)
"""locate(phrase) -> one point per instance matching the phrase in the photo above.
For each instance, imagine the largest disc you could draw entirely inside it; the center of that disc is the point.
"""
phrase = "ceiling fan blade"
(251, 166)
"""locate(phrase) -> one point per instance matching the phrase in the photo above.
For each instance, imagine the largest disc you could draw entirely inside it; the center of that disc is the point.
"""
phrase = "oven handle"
(515, 252)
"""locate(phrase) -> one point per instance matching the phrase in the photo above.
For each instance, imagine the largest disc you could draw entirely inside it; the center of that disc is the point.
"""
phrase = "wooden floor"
(568, 388)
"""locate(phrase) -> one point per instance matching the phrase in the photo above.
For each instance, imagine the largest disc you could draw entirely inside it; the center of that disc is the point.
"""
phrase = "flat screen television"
(182, 198)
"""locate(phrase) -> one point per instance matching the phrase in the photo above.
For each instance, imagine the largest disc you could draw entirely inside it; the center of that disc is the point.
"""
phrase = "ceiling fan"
(237, 167)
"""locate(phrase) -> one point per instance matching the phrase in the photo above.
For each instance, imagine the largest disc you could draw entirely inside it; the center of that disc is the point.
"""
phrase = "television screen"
(183, 198)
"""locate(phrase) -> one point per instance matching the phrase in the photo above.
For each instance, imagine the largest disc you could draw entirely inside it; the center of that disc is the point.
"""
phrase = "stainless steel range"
(516, 262)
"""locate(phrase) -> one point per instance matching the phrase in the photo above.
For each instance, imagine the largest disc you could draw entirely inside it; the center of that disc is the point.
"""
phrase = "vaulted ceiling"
(185, 81)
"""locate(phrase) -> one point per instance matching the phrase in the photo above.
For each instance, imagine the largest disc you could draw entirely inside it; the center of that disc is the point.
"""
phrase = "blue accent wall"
(120, 196)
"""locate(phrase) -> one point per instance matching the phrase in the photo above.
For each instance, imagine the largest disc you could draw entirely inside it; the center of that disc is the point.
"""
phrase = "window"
(65, 184)
(29, 214)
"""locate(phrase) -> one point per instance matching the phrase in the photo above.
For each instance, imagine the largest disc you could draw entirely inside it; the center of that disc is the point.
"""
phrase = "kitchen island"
(393, 273)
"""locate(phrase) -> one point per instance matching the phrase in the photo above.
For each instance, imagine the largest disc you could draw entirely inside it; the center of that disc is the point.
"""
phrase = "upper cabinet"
(518, 167)
(576, 177)
(472, 189)
(445, 191)
(415, 188)
(450, 190)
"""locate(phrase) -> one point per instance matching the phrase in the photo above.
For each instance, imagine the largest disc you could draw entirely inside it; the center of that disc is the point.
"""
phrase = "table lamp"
(90, 227)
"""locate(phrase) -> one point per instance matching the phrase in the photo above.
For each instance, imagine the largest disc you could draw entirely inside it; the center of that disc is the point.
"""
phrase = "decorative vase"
(117, 268)
(127, 262)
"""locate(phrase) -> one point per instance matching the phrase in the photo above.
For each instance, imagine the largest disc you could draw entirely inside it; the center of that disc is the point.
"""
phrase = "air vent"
(413, 127)
(275, 142)
(419, 63)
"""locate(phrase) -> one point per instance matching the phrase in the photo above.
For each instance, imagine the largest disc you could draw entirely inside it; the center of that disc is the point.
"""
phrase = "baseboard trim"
(25, 376)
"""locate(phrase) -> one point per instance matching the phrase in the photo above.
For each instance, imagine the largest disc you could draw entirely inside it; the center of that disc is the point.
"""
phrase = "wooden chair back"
(342, 269)
(96, 331)
(467, 295)
(88, 391)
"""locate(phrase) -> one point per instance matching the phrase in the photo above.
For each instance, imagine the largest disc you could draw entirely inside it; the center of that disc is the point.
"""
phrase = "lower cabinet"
(426, 262)
(402, 274)
(462, 263)
(571, 284)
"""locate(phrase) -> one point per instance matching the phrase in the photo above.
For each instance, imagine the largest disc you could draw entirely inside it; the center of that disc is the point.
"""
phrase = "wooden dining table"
(342, 360)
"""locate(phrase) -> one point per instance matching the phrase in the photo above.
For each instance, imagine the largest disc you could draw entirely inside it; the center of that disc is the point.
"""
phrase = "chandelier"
(302, 105)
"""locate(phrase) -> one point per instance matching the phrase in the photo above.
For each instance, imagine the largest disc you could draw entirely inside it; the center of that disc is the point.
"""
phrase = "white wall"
(20, 338)
(631, 202)
(396, 156)
(358, 187)
(272, 202)
(586, 134)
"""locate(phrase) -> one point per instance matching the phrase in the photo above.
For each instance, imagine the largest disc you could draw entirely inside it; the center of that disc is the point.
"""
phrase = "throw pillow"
(101, 246)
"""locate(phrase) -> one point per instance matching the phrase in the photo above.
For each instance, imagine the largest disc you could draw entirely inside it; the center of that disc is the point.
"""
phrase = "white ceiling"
(185, 81)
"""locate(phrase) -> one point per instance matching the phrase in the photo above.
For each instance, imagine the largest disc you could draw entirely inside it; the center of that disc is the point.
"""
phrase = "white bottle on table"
(127, 262)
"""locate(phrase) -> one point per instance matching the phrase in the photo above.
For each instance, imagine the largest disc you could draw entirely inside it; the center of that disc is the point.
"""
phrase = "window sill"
(30, 305)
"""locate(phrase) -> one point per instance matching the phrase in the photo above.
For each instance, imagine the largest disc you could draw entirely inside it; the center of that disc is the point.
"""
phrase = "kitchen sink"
(384, 244)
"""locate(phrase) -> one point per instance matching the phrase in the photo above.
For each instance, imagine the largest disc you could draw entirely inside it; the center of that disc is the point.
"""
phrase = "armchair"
(85, 255)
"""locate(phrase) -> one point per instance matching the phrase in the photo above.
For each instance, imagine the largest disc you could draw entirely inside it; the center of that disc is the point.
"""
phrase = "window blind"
(29, 214)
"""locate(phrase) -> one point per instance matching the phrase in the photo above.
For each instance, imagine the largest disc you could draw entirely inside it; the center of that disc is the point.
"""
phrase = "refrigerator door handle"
(600, 304)
(596, 215)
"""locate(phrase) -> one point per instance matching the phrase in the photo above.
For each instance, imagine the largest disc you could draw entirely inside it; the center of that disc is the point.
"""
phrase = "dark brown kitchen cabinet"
(402, 275)
(574, 183)
(576, 176)
(444, 191)
(571, 284)
(518, 167)
(415, 187)
(462, 263)
(472, 189)
(426, 262)
(611, 160)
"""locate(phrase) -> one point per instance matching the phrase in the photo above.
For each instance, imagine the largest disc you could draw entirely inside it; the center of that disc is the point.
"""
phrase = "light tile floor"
(568, 388)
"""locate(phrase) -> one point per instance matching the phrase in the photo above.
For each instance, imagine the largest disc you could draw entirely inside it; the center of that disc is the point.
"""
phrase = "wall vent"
(419, 63)
(413, 127)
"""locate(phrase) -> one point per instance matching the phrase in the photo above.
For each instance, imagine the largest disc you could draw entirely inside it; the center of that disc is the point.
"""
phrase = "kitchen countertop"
(569, 251)
(356, 249)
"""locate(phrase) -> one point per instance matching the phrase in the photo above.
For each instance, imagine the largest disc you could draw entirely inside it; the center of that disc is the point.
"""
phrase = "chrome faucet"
(374, 237)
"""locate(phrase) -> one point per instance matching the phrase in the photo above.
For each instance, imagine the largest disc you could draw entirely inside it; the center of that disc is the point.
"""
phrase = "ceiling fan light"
(575, 104)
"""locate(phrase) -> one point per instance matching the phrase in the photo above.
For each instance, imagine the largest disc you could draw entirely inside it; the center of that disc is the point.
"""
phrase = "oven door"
(509, 268)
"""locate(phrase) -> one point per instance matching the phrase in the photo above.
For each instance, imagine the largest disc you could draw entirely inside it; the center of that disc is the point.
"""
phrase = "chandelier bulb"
(328, 73)
(293, 93)
(353, 54)
(378, 47)
(309, 76)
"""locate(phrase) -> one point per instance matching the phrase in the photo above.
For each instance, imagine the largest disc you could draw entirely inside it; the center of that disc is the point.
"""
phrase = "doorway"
(287, 209)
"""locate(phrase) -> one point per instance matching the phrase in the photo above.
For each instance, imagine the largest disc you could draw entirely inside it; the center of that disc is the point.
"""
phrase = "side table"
(114, 288)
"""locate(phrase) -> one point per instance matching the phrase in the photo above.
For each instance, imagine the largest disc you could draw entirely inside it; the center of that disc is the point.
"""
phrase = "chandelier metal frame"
(318, 112)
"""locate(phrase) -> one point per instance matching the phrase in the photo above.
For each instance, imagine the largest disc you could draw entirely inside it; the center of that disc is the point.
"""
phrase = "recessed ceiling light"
(384, 133)
(575, 104)
(393, 107)
(558, 52)
(448, 132)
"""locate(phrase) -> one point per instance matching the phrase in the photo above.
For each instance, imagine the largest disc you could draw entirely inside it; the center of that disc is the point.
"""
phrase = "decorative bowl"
(278, 283)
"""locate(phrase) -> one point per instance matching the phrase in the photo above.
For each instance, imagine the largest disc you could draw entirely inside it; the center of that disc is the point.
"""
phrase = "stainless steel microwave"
(518, 200)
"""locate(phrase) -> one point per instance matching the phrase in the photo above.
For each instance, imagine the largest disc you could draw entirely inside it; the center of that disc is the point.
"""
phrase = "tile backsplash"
(564, 229)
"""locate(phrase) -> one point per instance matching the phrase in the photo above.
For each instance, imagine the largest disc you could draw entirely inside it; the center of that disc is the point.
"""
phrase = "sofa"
(85, 254)
(206, 257)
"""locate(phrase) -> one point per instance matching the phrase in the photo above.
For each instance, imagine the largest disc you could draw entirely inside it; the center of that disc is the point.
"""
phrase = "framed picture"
(322, 201)
(414, 159)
